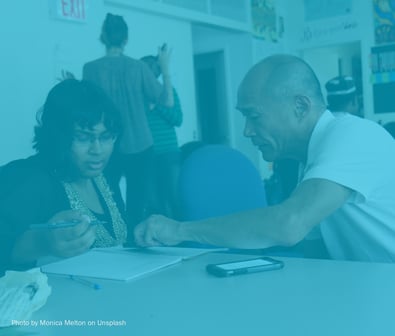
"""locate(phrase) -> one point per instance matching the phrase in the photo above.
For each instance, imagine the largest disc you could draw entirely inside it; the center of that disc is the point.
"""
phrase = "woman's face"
(91, 149)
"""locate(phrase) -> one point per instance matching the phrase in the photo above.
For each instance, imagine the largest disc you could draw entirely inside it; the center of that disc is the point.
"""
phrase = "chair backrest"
(217, 180)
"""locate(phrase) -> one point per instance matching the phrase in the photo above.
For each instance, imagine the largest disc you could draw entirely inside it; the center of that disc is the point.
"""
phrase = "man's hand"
(157, 230)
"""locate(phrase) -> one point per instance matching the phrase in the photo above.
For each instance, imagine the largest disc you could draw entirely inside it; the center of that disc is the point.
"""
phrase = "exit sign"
(70, 10)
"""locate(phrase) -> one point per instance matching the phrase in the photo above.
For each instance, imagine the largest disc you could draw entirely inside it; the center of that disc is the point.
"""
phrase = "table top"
(306, 297)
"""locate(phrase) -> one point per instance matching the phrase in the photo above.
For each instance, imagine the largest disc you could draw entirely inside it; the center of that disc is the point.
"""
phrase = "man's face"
(267, 122)
(91, 149)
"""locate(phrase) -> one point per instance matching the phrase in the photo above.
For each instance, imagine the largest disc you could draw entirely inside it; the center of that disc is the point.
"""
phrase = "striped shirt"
(162, 121)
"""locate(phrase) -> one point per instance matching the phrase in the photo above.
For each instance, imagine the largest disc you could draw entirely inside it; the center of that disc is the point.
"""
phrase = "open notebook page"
(184, 253)
(113, 266)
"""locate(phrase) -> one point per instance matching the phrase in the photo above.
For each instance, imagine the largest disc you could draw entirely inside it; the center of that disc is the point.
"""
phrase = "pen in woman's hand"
(61, 225)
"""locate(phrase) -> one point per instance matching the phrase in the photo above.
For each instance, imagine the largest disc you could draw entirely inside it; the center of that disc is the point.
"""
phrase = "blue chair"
(217, 180)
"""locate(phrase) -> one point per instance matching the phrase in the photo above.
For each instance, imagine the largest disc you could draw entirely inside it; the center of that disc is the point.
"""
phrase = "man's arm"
(284, 224)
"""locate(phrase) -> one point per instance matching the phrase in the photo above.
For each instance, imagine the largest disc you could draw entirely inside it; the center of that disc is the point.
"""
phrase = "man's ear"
(302, 105)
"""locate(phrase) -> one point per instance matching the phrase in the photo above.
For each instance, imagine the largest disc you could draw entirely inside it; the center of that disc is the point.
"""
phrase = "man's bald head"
(281, 100)
(281, 77)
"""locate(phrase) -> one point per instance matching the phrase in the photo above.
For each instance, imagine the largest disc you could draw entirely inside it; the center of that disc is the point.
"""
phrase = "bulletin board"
(384, 21)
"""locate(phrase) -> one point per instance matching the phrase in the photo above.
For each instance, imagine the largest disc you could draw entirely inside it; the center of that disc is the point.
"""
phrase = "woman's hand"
(61, 242)
(70, 241)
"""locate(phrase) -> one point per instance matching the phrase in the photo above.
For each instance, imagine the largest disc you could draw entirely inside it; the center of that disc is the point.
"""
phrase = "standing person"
(162, 121)
(132, 87)
(347, 182)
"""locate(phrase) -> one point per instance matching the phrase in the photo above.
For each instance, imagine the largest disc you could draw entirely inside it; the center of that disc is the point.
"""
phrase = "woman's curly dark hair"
(71, 103)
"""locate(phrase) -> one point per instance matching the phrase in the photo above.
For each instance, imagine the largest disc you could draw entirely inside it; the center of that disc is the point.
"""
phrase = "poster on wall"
(264, 20)
(384, 21)
(329, 21)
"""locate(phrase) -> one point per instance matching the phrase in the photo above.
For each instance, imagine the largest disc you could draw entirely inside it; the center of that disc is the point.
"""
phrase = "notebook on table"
(112, 266)
(122, 264)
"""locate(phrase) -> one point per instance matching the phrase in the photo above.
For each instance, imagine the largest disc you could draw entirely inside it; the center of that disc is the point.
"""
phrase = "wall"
(238, 56)
(262, 49)
(37, 47)
(306, 37)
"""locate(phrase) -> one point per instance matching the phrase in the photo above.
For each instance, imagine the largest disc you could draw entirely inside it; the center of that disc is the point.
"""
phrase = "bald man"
(347, 180)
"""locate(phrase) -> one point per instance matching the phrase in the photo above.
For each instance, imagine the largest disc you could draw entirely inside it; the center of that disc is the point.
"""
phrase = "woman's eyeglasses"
(85, 140)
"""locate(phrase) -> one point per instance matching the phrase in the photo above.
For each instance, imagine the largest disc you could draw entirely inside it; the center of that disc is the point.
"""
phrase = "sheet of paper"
(98, 263)
(183, 252)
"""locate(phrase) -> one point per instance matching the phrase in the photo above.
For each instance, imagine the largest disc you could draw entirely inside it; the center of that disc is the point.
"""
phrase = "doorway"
(210, 84)
(338, 60)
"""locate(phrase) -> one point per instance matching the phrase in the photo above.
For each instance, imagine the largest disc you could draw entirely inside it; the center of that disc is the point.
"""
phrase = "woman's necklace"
(103, 237)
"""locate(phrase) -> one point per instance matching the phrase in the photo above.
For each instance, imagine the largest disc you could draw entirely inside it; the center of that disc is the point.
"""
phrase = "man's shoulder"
(351, 139)
(367, 132)
(349, 125)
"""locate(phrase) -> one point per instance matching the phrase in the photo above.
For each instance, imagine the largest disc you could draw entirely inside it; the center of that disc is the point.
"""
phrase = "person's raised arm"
(285, 224)
(163, 59)
(173, 115)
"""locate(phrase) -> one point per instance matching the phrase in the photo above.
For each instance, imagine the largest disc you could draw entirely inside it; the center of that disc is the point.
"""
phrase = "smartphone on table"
(260, 264)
